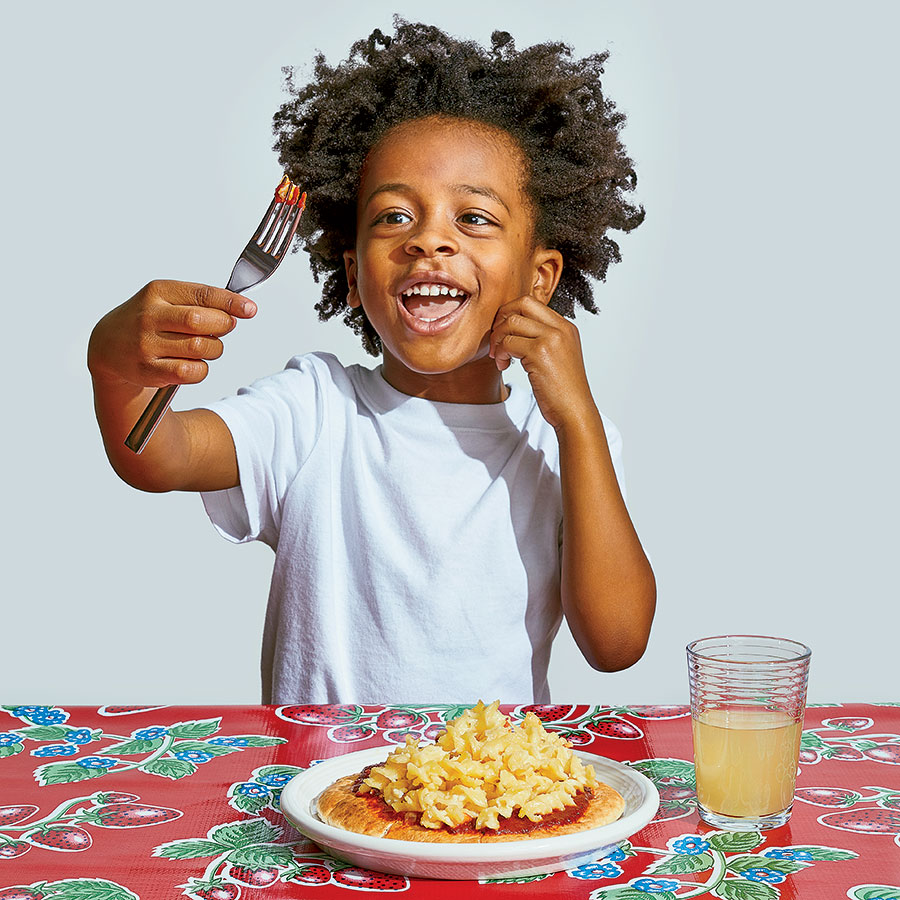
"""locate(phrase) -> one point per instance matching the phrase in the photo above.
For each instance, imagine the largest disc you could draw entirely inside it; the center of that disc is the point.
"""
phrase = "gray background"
(745, 346)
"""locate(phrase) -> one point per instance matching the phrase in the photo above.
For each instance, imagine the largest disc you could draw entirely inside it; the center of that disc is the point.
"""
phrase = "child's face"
(444, 238)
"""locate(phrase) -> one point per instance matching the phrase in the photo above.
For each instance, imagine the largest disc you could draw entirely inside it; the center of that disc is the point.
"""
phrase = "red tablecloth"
(159, 802)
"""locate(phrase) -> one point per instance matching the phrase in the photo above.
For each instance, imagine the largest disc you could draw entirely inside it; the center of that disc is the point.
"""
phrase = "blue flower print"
(10, 738)
(194, 756)
(788, 853)
(80, 736)
(150, 734)
(769, 876)
(276, 779)
(96, 762)
(591, 871)
(655, 885)
(251, 789)
(690, 846)
(616, 856)
(229, 742)
(21, 712)
(56, 750)
(46, 716)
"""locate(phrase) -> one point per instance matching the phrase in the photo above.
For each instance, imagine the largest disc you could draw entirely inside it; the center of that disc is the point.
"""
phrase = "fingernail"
(247, 307)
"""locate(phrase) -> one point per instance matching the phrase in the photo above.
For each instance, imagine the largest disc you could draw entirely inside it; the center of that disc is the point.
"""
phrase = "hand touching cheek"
(550, 350)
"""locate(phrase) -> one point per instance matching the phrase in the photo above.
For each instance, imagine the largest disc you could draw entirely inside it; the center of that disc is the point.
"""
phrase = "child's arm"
(608, 588)
(163, 335)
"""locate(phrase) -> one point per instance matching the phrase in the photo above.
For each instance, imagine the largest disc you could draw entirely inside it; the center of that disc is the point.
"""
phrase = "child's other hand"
(165, 333)
(550, 350)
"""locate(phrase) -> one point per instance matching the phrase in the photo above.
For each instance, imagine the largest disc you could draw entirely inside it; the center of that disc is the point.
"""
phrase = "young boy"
(430, 524)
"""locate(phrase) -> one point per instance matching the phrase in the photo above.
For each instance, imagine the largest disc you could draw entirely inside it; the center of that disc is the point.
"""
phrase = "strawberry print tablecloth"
(118, 802)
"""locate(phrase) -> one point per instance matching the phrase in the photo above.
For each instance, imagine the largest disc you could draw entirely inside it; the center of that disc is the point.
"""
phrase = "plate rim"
(305, 821)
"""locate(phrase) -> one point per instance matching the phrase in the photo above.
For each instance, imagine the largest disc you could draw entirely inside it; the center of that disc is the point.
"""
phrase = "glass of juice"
(748, 694)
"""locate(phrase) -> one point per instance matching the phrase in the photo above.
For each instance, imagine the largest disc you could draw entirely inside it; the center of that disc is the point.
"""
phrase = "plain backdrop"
(746, 346)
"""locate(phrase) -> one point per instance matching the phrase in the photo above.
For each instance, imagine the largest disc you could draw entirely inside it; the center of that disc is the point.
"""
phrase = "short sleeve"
(275, 423)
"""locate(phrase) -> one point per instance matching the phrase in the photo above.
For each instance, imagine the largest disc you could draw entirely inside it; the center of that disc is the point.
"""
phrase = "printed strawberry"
(132, 815)
(614, 727)
(348, 733)
(576, 738)
(659, 711)
(808, 756)
(867, 821)
(13, 849)
(327, 714)
(68, 838)
(254, 877)
(823, 796)
(103, 797)
(674, 793)
(212, 890)
(547, 712)
(846, 753)
(399, 737)
(313, 875)
(125, 710)
(886, 753)
(367, 880)
(9, 815)
(219, 892)
(19, 893)
(434, 731)
(398, 718)
(848, 723)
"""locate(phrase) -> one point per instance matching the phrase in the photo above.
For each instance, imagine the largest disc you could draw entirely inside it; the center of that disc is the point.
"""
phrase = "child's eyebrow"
(400, 187)
(481, 191)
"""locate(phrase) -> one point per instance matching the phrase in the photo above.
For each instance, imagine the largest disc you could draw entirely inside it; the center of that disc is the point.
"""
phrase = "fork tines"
(279, 223)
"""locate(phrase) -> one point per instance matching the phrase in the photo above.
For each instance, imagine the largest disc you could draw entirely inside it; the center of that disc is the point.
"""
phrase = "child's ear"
(548, 265)
(350, 268)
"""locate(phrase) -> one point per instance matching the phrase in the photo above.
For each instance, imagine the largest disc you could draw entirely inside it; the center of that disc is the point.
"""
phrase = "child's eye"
(471, 218)
(393, 217)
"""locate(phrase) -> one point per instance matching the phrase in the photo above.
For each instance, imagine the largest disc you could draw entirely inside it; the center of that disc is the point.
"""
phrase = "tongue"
(431, 307)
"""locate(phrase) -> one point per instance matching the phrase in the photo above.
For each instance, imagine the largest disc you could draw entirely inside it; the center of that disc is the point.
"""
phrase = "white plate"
(495, 860)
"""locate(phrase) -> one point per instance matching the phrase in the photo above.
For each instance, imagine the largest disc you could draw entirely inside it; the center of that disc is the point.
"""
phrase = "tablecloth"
(124, 802)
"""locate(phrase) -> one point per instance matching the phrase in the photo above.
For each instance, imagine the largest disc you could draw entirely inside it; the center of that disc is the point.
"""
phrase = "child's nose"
(430, 240)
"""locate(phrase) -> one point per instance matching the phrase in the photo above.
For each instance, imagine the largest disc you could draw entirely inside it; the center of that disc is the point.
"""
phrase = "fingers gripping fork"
(258, 260)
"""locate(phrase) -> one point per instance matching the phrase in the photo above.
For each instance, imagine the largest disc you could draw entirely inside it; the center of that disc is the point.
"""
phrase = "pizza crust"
(368, 814)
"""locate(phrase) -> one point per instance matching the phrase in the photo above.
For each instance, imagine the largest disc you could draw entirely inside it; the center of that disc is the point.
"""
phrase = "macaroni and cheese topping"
(481, 769)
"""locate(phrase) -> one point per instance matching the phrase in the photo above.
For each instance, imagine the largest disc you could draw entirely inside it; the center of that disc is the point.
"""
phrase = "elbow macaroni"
(482, 768)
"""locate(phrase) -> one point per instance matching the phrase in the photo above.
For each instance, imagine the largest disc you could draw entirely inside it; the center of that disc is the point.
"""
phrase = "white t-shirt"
(416, 543)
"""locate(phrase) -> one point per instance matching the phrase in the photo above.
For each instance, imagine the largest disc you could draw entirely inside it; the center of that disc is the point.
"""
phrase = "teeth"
(433, 290)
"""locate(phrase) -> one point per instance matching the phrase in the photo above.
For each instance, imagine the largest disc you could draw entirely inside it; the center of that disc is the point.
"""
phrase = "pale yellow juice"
(746, 760)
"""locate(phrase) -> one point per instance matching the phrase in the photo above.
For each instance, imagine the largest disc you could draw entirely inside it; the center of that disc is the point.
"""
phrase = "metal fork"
(259, 259)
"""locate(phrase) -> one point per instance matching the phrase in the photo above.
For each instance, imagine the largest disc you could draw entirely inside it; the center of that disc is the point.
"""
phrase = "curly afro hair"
(552, 105)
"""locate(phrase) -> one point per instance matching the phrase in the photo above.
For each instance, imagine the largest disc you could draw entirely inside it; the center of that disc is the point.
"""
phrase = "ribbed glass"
(748, 670)
(748, 694)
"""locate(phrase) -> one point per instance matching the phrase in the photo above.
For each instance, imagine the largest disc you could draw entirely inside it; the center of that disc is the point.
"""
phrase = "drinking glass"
(748, 694)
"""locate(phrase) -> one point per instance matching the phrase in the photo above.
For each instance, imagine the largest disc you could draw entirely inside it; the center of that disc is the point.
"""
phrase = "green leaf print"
(735, 841)
(189, 849)
(243, 834)
(734, 889)
(199, 728)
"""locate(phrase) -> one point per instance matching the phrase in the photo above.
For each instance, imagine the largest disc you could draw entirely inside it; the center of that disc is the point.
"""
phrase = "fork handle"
(153, 412)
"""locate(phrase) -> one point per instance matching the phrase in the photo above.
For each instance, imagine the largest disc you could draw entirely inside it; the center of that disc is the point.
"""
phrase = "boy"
(430, 524)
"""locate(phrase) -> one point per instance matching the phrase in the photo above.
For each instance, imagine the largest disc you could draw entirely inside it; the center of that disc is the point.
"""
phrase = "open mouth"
(429, 302)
